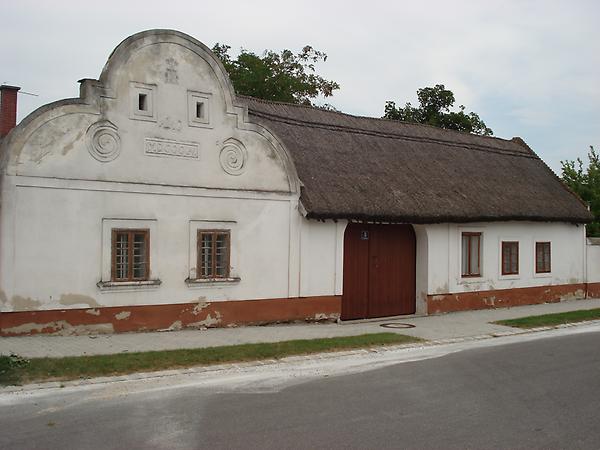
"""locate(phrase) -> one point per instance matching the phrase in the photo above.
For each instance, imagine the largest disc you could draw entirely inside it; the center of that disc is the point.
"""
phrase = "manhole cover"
(397, 325)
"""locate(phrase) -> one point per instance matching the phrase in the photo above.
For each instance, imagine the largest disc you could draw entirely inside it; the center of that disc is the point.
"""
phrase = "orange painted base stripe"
(503, 298)
(121, 319)
(173, 316)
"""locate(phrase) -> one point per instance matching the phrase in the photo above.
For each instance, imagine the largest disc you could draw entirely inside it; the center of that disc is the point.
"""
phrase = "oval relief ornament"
(233, 157)
(104, 143)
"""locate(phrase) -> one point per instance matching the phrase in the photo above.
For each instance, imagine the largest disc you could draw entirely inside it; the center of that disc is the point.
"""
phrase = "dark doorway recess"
(379, 271)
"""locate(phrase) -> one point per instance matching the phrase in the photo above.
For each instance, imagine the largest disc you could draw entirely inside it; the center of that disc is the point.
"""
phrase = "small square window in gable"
(142, 101)
(199, 109)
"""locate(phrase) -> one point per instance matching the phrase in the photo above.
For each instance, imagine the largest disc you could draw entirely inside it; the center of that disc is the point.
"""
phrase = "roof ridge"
(473, 146)
(380, 119)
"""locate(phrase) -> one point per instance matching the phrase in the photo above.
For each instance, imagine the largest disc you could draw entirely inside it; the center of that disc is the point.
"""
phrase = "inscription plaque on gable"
(163, 147)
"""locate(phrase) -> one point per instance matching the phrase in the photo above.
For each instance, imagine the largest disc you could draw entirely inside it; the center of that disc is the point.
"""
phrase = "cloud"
(528, 68)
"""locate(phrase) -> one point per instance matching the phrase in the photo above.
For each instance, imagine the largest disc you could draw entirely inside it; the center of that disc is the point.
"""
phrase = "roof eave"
(424, 220)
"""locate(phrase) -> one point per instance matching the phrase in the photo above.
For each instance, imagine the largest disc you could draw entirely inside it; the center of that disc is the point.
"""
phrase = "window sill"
(470, 279)
(128, 285)
(211, 282)
(510, 276)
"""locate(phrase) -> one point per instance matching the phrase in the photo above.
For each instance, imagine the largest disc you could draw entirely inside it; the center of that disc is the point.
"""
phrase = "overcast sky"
(528, 68)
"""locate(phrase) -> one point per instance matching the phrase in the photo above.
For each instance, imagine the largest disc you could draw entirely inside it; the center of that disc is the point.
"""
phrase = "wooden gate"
(379, 271)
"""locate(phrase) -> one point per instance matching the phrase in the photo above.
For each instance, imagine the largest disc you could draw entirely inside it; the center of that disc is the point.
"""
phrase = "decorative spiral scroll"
(104, 143)
(233, 157)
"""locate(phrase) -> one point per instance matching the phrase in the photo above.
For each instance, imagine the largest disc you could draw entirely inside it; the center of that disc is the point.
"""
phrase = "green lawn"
(552, 319)
(15, 370)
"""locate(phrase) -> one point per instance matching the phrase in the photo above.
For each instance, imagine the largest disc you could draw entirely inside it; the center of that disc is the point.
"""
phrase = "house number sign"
(364, 235)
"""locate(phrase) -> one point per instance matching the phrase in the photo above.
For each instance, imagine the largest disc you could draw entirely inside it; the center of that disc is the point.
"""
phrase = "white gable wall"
(72, 169)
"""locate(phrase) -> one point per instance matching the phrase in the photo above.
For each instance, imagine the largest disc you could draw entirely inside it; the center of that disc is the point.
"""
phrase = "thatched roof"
(374, 169)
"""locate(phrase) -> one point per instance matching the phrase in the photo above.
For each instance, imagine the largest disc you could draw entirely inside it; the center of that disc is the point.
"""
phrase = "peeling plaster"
(70, 146)
(99, 328)
(93, 312)
(51, 135)
(442, 289)
(25, 303)
(202, 304)
(175, 326)
(123, 315)
(28, 328)
(60, 327)
(208, 322)
(578, 294)
(323, 317)
(490, 301)
(78, 299)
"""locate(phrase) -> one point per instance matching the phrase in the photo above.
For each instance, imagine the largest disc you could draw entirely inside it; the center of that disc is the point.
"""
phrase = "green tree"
(285, 76)
(434, 109)
(585, 182)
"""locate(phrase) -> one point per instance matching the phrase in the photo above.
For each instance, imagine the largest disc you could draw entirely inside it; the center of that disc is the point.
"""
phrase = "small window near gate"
(510, 258)
(542, 257)
(471, 253)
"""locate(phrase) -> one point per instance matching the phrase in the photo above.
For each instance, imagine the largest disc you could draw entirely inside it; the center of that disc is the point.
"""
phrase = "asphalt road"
(543, 393)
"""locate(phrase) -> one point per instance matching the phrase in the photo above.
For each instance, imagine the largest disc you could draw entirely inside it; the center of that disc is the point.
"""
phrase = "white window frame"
(135, 89)
(194, 97)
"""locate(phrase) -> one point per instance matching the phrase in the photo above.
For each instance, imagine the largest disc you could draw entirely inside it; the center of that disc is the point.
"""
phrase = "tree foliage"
(285, 76)
(434, 109)
(586, 183)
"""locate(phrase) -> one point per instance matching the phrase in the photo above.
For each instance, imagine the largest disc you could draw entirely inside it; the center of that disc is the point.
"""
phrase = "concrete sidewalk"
(445, 327)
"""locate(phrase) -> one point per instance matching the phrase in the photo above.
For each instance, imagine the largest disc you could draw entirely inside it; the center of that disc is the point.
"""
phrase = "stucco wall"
(163, 145)
(321, 257)
(73, 169)
(444, 247)
(55, 258)
(593, 260)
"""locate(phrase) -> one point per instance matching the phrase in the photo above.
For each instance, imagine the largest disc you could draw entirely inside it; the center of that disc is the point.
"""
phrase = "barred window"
(542, 257)
(510, 258)
(213, 253)
(130, 255)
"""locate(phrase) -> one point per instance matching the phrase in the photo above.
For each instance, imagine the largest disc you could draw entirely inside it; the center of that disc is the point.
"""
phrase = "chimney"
(8, 108)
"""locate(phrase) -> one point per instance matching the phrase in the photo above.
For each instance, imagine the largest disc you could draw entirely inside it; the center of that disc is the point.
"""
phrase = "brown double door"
(379, 271)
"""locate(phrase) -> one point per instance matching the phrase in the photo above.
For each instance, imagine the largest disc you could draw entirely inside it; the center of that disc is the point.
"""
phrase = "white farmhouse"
(159, 199)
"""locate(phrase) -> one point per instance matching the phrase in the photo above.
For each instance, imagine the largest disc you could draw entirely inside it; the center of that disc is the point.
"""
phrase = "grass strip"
(552, 319)
(16, 370)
